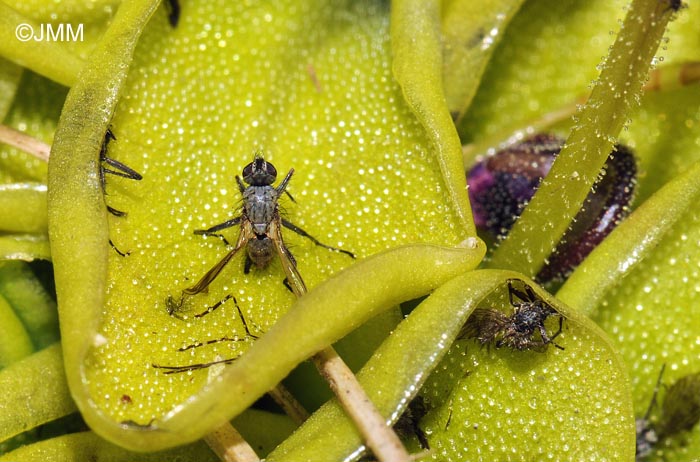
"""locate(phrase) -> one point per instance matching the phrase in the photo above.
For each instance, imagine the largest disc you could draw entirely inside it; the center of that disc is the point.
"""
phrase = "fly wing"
(484, 324)
(202, 285)
(288, 263)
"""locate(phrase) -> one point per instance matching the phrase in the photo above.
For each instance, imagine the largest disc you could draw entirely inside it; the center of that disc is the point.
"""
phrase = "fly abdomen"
(261, 251)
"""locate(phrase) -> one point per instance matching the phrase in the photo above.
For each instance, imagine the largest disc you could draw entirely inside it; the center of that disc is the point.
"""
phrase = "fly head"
(259, 172)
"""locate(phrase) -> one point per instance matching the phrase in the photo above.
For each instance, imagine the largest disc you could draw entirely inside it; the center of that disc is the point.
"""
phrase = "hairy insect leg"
(109, 136)
(115, 212)
(245, 324)
(122, 170)
(202, 285)
(123, 254)
(652, 403)
(173, 306)
(546, 339)
(192, 367)
(214, 306)
(561, 326)
(291, 226)
(512, 291)
(211, 342)
(283, 185)
(241, 185)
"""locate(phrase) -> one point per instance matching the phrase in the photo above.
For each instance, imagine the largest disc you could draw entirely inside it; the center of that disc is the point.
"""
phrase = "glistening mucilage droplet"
(501, 185)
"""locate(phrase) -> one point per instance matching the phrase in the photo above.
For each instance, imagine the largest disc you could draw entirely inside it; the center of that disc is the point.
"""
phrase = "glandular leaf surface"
(553, 404)
(310, 86)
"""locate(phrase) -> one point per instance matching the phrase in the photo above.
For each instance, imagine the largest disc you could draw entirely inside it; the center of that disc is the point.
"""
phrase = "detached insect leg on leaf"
(191, 367)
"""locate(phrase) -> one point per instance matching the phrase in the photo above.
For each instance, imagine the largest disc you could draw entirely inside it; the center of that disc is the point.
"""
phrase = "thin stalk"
(230, 446)
(379, 436)
(289, 404)
(24, 142)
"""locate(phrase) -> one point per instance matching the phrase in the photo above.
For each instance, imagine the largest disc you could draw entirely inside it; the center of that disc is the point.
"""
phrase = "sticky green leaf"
(400, 366)
(615, 95)
(34, 111)
(631, 242)
(9, 79)
(369, 288)
(84, 446)
(30, 301)
(476, 387)
(24, 208)
(498, 403)
(418, 68)
(19, 44)
(470, 33)
(357, 150)
(653, 312)
(24, 247)
(14, 340)
(37, 382)
(310, 84)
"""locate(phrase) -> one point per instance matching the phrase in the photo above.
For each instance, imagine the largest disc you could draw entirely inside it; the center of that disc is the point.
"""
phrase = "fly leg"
(291, 226)
(547, 339)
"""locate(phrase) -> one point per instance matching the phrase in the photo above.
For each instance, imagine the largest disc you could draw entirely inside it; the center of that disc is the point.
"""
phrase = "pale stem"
(379, 437)
(289, 404)
(24, 142)
(230, 446)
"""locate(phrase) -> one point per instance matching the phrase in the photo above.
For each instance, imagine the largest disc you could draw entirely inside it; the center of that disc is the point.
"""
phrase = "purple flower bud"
(501, 185)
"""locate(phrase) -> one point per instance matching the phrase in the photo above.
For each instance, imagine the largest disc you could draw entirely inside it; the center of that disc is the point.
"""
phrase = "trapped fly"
(517, 331)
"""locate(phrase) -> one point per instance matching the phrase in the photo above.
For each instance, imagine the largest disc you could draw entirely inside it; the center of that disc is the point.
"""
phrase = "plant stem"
(289, 404)
(26, 143)
(378, 435)
(230, 446)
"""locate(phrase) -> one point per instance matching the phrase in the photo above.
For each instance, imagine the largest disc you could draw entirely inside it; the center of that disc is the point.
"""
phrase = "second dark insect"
(517, 331)
(680, 412)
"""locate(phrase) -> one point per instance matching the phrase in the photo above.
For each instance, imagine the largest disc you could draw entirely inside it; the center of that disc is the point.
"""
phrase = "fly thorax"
(527, 320)
(260, 203)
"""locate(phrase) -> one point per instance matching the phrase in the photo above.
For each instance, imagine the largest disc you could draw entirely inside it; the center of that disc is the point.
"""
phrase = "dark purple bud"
(501, 185)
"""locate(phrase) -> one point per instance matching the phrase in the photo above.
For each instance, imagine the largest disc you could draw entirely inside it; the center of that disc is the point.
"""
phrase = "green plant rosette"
(359, 99)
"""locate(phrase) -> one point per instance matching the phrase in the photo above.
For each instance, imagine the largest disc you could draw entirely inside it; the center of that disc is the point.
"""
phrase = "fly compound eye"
(259, 173)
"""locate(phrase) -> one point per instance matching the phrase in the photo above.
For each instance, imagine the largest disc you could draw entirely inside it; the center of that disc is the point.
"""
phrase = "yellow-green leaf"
(324, 104)
(499, 403)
